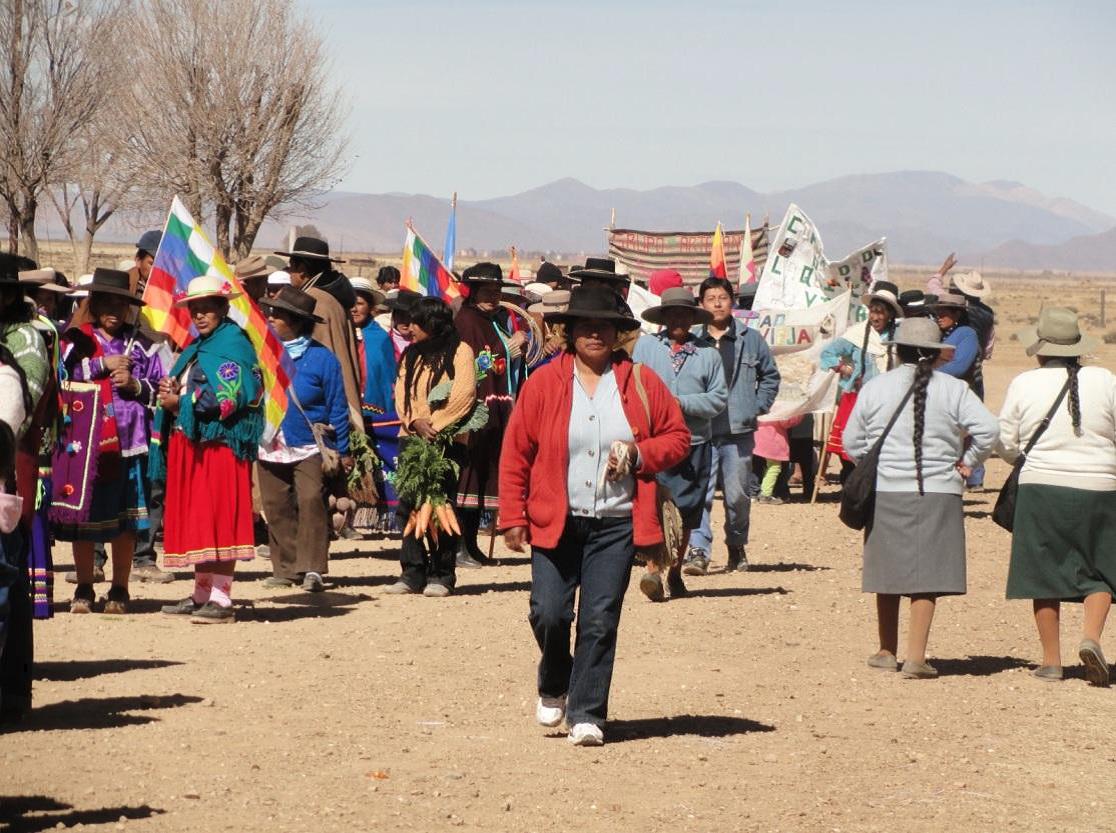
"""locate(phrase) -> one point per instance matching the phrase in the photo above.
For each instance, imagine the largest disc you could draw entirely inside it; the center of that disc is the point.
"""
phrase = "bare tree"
(55, 59)
(248, 123)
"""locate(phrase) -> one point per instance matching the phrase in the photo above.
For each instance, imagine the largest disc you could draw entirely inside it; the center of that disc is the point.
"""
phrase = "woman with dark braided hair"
(1063, 545)
(436, 355)
(915, 543)
(859, 355)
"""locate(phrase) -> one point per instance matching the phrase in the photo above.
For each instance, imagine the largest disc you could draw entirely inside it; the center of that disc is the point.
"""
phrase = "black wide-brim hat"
(602, 268)
(593, 302)
(294, 301)
(486, 273)
(112, 282)
(10, 267)
(310, 248)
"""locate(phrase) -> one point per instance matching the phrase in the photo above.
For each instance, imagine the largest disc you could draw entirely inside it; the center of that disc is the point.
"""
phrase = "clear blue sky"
(491, 98)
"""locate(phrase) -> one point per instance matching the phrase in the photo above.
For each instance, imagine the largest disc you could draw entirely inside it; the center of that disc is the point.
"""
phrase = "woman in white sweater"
(915, 543)
(1063, 546)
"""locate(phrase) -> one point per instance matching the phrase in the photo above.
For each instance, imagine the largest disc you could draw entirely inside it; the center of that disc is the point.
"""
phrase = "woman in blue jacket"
(292, 485)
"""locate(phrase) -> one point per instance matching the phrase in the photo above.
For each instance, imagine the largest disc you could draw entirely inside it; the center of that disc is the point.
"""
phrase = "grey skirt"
(915, 545)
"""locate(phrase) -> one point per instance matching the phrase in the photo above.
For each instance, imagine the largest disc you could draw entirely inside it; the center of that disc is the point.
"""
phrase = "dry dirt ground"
(747, 706)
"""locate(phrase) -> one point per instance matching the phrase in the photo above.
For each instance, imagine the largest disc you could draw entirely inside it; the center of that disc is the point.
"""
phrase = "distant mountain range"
(924, 215)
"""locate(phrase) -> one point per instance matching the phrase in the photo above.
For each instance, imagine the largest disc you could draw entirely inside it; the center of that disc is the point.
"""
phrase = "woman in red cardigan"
(577, 484)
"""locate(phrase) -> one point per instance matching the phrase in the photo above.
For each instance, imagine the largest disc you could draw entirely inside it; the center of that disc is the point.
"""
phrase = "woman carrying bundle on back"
(914, 544)
(435, 394)
(1063, 545)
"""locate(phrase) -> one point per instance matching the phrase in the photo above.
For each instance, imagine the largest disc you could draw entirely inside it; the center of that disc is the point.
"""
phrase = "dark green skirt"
(1064, 543)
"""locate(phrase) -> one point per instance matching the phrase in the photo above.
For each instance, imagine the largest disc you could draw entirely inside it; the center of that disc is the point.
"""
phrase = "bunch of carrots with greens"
(423, 470)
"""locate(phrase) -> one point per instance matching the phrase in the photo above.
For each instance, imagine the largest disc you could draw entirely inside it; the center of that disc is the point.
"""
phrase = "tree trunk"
(222, 213)
(30, 245)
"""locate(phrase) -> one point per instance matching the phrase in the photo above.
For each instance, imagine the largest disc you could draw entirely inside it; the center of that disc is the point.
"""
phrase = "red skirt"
(835, 444)
(208, 507)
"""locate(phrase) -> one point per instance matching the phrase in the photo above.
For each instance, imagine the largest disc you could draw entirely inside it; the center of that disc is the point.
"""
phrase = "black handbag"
(858, 495)
(1003, 514)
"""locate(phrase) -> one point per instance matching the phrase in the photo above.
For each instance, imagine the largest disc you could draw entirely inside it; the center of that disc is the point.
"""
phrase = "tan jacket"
(462, 398)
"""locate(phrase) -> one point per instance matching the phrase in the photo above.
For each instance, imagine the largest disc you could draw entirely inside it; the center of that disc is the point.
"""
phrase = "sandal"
(83, 599)
(116, 603)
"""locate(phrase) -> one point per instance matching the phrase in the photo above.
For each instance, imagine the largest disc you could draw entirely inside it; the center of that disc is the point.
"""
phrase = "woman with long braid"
(915, 543)
(1063, 546)
(859, 355)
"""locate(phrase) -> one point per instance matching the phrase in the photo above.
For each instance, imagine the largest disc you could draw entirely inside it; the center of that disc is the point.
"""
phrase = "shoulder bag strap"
(641, 391)
(895, 416)
(1042, 426)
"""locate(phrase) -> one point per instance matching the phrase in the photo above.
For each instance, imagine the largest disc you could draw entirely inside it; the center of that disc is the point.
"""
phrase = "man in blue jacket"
(693, 374)
(753, 382)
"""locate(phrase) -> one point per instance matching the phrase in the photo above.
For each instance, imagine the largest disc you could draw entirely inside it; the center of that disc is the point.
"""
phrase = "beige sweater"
(462, 398)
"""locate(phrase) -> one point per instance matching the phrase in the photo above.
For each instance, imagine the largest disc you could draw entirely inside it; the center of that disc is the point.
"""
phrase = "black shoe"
(186, 607)
(696, 563)
(467, 561)
(737, 560)
(212, 613)
(676, 586)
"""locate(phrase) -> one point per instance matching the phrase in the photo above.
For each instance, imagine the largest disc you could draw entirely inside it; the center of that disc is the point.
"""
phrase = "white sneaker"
(550, 711)
(586, 734)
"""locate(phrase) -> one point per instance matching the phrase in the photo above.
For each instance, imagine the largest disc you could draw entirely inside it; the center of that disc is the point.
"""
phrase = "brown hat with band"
(294, 301)
(37, 279)
(254, 266)
(113, 282)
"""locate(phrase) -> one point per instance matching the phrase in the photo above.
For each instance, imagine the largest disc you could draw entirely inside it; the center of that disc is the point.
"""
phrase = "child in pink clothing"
(773, 445)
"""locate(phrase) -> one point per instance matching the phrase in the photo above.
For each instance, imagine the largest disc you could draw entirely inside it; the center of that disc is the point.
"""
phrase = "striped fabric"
(185, 253)
(642, 252)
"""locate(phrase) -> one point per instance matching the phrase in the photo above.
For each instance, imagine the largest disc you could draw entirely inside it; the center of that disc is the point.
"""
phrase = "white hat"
(972, 284)
(279, 278)
(362, 284)
(206, 286)
(535, 291)
(125, 265)
(84, 280)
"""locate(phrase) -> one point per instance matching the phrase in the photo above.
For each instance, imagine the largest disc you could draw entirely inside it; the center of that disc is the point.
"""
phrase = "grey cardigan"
(952, 412)
(699, 387)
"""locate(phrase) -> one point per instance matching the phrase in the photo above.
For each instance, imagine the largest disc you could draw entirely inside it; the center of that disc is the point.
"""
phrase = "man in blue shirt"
(753, 382)
(693, 373)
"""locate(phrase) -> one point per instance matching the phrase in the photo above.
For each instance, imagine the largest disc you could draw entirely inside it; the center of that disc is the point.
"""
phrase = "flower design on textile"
(485, 361)
(500, 366)
(228, 388)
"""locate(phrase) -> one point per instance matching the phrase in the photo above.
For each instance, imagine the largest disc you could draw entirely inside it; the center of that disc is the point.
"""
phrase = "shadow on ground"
(491, 587)
(702, 725)
(82, 669)
(100, 712)
(785, 567)
(978, 666)
(16, 813)
(720, 592)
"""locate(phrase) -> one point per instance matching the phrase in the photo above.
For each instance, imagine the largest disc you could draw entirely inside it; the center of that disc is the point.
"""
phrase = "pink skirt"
(208, 509)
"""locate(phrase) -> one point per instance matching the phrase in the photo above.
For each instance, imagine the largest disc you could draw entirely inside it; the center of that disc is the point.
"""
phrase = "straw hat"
(556, 301)
(1058, 333)
(677, 297)
(206, 286)
(972, 284)
(35, 279)
(375, 296)
(887, 294)
(254, 266)
(923, 333)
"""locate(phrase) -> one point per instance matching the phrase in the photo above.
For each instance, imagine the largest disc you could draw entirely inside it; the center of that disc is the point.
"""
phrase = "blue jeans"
(732, 459)
(595, 553)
